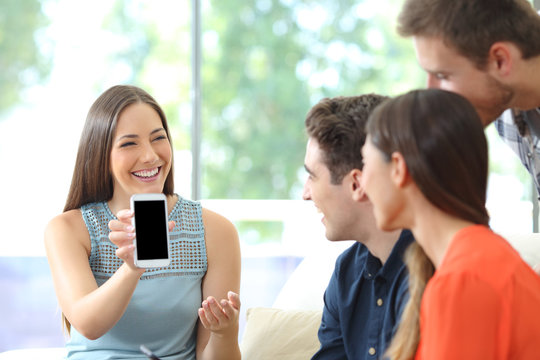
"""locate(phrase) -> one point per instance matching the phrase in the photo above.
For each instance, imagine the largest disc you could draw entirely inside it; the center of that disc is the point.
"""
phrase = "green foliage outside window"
(25, 56)
(264, 64)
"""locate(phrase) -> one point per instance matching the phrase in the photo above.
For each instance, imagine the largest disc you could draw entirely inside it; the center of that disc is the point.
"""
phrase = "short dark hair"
(473, 26)
(338, 126)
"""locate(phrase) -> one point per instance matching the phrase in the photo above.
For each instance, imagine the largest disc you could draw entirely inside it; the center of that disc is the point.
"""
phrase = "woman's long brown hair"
(442, 141)
(92, 178)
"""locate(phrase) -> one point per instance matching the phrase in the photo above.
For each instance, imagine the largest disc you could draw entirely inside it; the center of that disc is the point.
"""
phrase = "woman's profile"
(471, 294)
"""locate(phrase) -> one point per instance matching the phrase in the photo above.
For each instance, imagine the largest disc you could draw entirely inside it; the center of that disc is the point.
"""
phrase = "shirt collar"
(373, 267)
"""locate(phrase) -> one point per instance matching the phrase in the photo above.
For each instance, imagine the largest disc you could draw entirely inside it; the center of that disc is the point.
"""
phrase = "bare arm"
(217, 336)
(92, 310)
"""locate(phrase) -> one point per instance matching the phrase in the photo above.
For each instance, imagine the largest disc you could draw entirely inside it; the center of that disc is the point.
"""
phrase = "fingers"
(122, 235)
(234, 298)
(217, 316)
(126, 252)
(211, 313)
(229, 309)
(172, 224)
(125, 215)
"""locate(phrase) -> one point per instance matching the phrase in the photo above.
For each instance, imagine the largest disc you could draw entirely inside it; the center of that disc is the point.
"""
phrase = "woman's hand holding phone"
(122, 235)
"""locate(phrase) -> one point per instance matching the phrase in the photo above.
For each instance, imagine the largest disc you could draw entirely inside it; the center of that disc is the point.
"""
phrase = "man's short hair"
(338, 126)
(473, 26)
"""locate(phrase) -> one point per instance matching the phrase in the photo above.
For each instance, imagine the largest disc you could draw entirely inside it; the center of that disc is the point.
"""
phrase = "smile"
(147, 174)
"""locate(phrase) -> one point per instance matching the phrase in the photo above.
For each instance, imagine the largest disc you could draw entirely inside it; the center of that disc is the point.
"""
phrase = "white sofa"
(288, 329)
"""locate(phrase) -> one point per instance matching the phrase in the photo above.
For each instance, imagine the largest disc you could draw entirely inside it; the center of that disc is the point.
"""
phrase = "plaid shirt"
(513, 127)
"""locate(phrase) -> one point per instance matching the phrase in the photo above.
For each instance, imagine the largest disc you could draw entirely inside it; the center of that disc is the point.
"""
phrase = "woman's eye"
(161, 137)
(130, 143)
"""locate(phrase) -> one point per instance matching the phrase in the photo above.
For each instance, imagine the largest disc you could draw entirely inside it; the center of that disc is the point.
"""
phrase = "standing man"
(368, 289)
(489, 52)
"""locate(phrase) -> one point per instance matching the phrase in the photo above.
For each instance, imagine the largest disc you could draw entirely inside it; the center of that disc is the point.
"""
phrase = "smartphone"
(151, 230)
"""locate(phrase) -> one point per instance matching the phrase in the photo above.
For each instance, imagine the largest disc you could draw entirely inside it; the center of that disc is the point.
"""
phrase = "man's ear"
(501, 58)
(399, 172)
(357, 191)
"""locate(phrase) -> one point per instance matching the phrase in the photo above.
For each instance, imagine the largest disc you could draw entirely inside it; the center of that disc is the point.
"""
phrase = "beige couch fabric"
(272, 334)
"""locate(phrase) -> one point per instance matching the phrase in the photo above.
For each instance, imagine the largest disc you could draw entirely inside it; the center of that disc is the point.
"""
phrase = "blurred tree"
(265, 63)
(153, 42)
(22, 60)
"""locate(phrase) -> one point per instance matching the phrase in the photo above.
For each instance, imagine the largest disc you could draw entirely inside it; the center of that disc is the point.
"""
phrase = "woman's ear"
(399, 172)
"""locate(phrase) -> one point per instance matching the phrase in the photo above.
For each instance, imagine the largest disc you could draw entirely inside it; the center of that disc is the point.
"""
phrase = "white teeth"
(146, 173)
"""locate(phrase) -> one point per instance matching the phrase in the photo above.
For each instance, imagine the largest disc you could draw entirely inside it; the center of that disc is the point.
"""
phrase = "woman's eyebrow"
(127, 136)
(133, 136)
(157, 130)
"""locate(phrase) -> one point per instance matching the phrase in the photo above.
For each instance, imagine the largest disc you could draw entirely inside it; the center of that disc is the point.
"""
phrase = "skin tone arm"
(92, 310)
(217, 336)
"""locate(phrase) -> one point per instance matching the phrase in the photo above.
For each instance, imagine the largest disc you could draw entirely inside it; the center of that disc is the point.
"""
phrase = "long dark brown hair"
(442, 140)
(92, 177)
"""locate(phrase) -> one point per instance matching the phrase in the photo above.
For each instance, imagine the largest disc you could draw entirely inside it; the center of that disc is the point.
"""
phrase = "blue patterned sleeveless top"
(162, 313)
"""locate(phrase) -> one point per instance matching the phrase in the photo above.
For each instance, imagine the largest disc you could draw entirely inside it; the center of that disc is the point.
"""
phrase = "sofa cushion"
(280, 334)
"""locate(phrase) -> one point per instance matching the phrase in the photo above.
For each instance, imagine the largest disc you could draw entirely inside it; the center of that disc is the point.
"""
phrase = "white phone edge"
(152, 263)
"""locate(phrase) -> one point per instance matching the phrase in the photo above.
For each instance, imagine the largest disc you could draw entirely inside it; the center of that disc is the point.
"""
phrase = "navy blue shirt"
(363, 303)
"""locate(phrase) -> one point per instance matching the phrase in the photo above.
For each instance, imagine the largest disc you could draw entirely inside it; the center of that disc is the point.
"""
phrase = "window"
(264, 64)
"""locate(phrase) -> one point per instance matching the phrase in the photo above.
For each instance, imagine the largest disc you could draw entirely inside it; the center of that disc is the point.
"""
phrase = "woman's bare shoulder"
(214, 221)
(67, 226)
(71, 219)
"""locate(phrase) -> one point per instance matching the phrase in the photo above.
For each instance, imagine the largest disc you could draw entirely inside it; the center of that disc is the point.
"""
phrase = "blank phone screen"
(151, 230)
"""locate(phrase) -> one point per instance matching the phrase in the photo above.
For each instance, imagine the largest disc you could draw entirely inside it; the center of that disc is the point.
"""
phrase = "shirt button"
(379, 302)
(372, 351)
(529, 154)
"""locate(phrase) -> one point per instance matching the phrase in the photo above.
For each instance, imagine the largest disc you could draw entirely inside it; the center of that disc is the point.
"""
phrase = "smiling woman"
(141, 154)
(103, 294)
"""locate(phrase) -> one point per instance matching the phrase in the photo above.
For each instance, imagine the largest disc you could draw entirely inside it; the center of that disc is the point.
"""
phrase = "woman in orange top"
(471, 294)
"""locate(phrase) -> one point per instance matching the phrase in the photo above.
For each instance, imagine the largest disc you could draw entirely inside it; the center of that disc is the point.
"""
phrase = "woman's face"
(141, 154)
(381, 190)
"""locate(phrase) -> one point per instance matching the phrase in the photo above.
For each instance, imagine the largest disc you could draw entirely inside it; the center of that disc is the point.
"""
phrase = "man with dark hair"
(489, 52)
(364, 298)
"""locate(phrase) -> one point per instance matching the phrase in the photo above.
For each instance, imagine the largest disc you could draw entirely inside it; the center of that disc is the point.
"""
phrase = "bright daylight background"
(264, 64)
